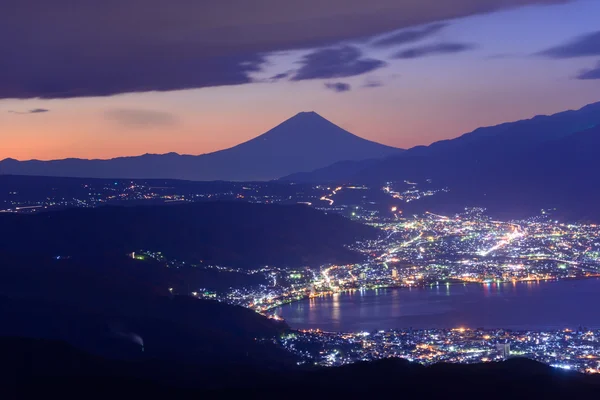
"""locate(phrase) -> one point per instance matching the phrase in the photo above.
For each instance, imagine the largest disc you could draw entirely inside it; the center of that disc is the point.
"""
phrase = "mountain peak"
(303, 124)
(302, 143)
(307, 115)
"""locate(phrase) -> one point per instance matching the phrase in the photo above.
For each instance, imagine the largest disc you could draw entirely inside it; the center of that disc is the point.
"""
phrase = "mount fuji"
(303, 143)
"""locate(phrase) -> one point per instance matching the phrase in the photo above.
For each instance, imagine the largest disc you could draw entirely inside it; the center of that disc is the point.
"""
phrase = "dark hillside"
(234, 234)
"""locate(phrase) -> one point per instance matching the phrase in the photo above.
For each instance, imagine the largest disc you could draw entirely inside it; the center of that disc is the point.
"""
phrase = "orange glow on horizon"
(212, 119)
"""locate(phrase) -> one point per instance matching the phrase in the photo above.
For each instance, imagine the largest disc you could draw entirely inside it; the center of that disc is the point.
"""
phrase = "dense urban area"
(567, 349)
(415, 250)
(432, 250)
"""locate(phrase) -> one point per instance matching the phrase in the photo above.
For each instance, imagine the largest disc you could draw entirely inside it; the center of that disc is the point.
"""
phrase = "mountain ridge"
(305, 142)
(481, 143)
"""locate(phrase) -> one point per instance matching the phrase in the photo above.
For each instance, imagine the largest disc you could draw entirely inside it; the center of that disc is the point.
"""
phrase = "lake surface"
(526, 305)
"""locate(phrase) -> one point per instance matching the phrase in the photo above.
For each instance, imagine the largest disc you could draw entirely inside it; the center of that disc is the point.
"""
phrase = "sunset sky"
(116, 78)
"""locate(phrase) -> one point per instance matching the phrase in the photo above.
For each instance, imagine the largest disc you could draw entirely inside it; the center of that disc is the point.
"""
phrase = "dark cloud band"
(340, 62)
(593, 73)
(67, 48)
(434, 49)
(338, 87)
(583, 46)
(34, 111)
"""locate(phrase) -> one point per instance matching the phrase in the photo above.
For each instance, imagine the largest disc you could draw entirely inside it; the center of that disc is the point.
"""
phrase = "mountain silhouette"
(471, 152)
(514, 169)
(303, 143)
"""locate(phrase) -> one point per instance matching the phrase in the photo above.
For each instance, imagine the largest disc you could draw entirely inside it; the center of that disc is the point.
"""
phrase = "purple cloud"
(63, 48)
(372, 83)
(409, 36)
(434, 49)
(140, 118)
(339, 62)
(593, 73)
(34, 111)
(338, 87)
(280, 76)
(583, 46)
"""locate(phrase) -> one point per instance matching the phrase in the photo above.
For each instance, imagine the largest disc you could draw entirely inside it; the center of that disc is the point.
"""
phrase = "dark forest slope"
(235, 234)
(38, 368)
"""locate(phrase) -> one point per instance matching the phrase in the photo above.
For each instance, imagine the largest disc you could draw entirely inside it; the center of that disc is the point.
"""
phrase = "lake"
(522, 305)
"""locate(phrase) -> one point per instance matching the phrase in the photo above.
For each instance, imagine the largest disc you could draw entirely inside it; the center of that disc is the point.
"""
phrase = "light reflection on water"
(526, 305)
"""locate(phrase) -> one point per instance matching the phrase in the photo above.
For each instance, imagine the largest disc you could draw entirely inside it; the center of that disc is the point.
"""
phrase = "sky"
(115, 78)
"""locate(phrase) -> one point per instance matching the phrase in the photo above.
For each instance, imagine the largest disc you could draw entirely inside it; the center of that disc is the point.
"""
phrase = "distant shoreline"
(560, 304)
(417, 287)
